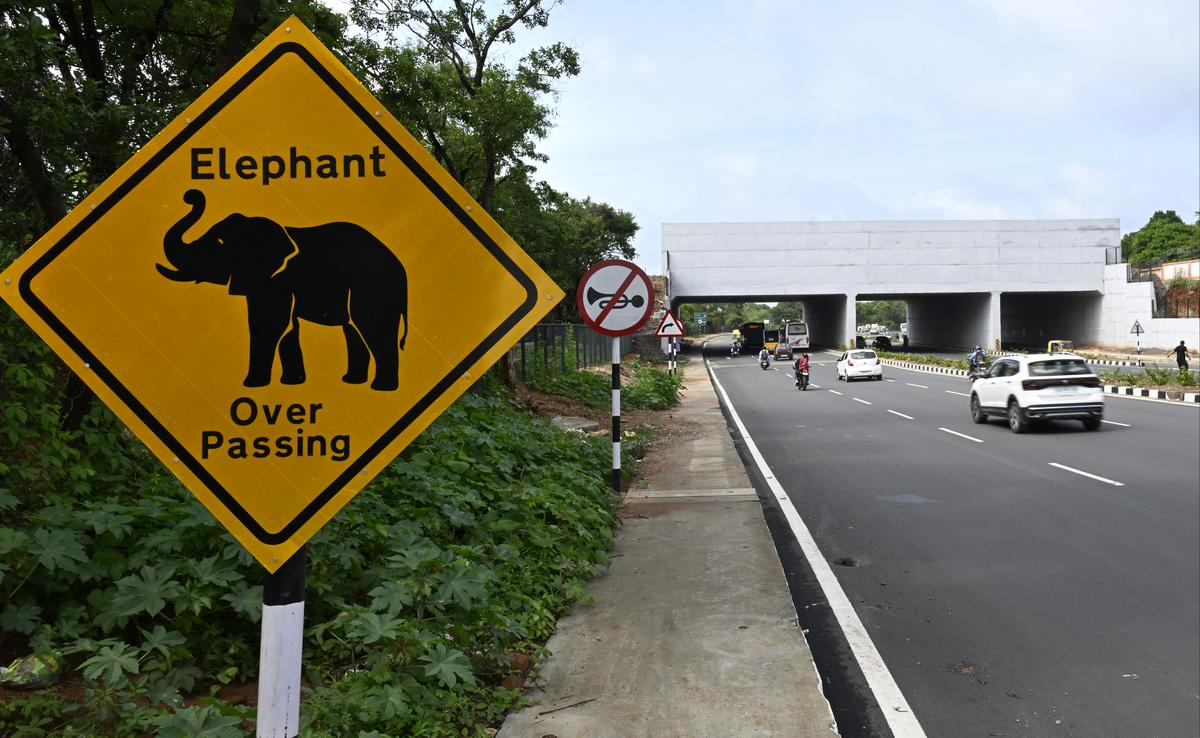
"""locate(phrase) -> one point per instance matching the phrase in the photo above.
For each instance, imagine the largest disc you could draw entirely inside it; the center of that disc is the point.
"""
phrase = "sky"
(767, 110)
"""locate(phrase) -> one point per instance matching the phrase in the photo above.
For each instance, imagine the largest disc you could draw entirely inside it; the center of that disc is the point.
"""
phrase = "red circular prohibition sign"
(615, 297)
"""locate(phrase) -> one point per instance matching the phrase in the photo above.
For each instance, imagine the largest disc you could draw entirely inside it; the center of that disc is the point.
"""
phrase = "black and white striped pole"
(280, 649)
(616, 412)
(615, 297)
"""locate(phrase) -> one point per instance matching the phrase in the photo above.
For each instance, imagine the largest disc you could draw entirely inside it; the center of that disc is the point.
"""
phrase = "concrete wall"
(734, 260)
(1124, 302)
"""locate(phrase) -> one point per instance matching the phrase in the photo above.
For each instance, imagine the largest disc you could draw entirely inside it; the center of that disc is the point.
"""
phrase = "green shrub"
(651, 389)
(464, 551)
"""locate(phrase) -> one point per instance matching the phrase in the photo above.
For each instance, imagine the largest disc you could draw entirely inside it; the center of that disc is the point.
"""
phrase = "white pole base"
(279, 657)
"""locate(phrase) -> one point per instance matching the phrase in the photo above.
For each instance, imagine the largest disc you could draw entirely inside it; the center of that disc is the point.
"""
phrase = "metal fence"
(559, 347)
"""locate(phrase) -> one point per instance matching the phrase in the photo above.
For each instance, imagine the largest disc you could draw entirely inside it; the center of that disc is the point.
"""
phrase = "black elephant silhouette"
(330, 274)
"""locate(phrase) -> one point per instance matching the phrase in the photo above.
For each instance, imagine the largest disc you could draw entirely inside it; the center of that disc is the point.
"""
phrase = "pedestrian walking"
(1181, 356)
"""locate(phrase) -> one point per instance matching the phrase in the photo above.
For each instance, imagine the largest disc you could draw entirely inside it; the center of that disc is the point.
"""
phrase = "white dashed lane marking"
(961, 435)
(858, 400)
(910, 384)
(893, 412)
(952, 392)
(1085, 474)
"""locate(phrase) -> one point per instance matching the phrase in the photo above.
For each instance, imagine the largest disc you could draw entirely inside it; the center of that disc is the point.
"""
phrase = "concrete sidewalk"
(692, 631)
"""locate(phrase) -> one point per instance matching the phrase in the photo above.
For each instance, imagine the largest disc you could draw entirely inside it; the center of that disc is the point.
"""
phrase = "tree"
(890, 313)
(566, 235)
(1165, 237)
(83, 85)
(480, 119)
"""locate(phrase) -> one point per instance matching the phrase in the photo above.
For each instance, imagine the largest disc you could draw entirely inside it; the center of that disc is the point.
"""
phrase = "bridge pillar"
(851, 323)
(993, 327)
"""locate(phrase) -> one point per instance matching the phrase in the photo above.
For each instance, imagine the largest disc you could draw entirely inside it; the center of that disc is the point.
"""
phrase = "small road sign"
(279, 292)
(615, 297)
(669, 327)
(1137, 328)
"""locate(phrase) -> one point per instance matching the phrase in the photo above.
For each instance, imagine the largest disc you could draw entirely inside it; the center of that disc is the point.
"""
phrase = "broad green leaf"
(111, 664)
(450, 666)
(392, 596)
(147, 591)
(161, 640)
(20, 617)
(246, 600)
(199, 722)
(58, 549)
(369, 627)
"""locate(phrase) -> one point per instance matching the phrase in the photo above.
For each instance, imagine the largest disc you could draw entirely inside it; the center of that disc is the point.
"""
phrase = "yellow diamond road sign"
(279, 292)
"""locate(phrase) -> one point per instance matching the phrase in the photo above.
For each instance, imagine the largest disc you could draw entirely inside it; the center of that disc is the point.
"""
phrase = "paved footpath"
(692, 631)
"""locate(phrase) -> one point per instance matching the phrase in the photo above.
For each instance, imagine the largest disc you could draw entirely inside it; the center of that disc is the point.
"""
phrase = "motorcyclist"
(977, 358)
(801, 367)
(764, 356)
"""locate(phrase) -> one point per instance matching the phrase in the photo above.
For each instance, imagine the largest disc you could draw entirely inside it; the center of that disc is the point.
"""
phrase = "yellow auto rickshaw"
(1059, 346)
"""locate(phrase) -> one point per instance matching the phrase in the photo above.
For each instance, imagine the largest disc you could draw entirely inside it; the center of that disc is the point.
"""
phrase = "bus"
(753, 337)
(771, 339)
(796, 334)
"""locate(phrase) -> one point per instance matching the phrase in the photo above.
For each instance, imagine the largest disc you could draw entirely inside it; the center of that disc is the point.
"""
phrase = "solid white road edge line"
(910, 384)
(858, 400)
(893, 412)
(896, 711)
(1113, 422)
(1085, 474)
(962, 435)
(952, 392)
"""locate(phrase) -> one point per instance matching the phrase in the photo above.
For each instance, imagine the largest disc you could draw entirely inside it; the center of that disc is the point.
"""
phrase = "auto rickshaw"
(1059, 346)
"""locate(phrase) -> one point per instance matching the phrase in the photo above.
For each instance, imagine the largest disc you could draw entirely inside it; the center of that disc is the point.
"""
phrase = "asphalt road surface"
(1037, 584)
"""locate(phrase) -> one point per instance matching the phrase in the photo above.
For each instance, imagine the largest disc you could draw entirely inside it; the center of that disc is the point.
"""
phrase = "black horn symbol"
(594, 295)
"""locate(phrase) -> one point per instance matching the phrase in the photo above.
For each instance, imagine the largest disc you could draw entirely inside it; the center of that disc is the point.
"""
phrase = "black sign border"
(375, 449)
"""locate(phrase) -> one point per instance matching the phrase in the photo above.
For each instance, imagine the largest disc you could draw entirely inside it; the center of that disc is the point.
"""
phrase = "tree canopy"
(1164, 238)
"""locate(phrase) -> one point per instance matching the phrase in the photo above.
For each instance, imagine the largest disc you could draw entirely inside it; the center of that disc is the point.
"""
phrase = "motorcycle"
(765, 363)
(802, 380)
(977, 371)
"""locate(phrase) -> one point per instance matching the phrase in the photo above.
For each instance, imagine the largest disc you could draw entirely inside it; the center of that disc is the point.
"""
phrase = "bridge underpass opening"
(952, 321)
(1031, 319)
(826, 315)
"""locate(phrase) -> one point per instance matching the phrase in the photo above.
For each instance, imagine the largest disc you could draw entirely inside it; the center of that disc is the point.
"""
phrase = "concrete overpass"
(965, 282)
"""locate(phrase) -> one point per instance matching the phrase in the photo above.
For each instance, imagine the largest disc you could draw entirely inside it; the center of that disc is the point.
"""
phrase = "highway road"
(1037, 584)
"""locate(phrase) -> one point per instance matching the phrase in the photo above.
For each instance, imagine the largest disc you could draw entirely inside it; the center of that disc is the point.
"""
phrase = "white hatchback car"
(859, 363)
(1023, 389)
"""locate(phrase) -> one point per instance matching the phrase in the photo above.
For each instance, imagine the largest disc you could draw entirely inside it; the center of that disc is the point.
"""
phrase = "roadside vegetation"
(1150, 377)
(925, 359)
(429, 595)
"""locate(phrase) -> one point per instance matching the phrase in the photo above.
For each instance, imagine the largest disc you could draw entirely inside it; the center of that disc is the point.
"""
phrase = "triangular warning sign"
(669, 327)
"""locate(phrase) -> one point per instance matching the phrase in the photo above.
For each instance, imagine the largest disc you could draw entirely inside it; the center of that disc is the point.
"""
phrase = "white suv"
(1028, 388)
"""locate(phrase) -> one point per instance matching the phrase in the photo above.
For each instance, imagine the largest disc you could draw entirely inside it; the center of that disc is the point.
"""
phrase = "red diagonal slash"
(615, 296)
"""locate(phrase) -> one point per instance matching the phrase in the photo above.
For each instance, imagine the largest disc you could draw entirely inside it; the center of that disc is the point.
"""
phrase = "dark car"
(883, 343)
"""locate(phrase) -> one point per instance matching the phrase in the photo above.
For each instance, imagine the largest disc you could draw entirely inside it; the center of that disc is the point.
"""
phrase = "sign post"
(615, 297)
(1137, 331)
(271, 294)
(672, 330)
